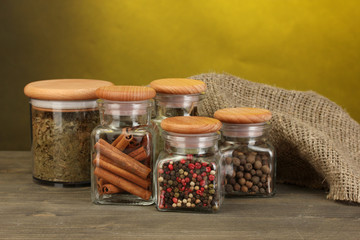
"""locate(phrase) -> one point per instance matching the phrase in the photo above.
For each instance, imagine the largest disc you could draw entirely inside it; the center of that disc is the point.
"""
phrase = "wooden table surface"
(31, 211)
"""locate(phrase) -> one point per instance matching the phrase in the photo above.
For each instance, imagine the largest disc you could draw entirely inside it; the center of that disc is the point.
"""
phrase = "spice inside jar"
(248, 156)
(122, 147)
(63, 114)
(188, 175)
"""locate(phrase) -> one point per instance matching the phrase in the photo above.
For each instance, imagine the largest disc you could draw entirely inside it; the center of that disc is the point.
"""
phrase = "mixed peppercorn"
(189, 183)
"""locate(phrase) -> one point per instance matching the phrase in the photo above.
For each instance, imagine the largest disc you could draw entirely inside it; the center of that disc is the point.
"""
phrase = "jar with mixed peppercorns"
(175, 97)
(247, 155)
(187, 174)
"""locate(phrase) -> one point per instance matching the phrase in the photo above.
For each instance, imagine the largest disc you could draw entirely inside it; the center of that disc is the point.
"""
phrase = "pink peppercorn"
(198, 165)
(204, 164)
(175, 200)
(168, 190)
(211, 177)
(202, 183)
(189, 157)
(203, 174)
(191, 166)
(198, 192)
(182, 161)
(187, 180)
(208, 169)
(199, 178)
(171, 167)
(161, 171)
(194, 175)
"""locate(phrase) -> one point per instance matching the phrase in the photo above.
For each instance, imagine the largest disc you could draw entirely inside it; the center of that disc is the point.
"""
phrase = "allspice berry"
(242, 181)
(229, 188)
(228, 160)
(257, 165)
(240, 174)
(249, 184)
(250, 158)
(255, 179)
(248, 167)
(258, 173)
(236, 161)
(265, 169)
(244, 189)
(237, 187)
(255, 188)
(248, 176)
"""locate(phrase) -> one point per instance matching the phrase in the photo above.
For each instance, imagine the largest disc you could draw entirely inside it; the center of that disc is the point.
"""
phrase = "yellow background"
(294, 44)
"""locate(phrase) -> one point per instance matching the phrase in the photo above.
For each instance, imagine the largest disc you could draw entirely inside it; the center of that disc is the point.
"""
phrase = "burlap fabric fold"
(317, 142)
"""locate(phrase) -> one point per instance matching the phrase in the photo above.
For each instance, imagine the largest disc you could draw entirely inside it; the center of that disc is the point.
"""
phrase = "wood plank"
(32, 211)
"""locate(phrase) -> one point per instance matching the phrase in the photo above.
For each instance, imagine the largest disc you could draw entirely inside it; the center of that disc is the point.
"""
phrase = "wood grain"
(178, 86)
(191, 125)
(64, 89)
(31, 211)
(125, 93)
(243, 115)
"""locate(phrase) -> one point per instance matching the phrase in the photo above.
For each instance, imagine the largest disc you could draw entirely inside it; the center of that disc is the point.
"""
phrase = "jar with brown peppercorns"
(175, 97)
(187, 174)
(247, 155)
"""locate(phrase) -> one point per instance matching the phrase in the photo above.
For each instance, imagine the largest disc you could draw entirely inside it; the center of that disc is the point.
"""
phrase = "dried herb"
(61, 145)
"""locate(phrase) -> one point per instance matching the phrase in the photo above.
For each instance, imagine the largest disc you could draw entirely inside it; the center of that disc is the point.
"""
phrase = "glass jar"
(188, 174)
(123, 147)
(63, 114)
(175, 97)
(247, 155)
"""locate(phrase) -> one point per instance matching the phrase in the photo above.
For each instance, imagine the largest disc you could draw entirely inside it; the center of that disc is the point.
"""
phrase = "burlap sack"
(317, 142)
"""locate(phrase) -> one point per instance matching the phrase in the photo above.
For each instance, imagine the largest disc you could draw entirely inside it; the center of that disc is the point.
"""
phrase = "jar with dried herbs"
(63, 114)
(187, 174)
(175, 97)
(122, 147)
(248, 156)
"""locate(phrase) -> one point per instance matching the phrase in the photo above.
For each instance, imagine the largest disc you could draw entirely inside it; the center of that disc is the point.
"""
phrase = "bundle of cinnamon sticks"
(123, 165)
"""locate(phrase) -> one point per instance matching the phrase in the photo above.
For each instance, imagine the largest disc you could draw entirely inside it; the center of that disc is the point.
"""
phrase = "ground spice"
(61, 145)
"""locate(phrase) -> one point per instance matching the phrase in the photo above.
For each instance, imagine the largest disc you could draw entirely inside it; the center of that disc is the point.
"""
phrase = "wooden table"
(31, 211)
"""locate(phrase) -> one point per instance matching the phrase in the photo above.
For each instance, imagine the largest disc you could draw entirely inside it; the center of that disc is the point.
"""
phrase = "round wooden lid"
(191, 125)
(64, 89)
(243, 115)
(125, 93)
(178, 86)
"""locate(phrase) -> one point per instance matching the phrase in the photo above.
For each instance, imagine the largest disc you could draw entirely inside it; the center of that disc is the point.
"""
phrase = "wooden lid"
(243, 115)
(125, 93)
(191, 125)
(64, 89)
(178, 86)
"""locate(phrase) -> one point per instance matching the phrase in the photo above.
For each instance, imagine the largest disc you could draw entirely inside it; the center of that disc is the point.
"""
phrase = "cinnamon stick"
(106, 164)
(138, 154)
(99, 185)
(122, 183)
(124, 142)
(110, 189)
(125, 131)
(121, 159)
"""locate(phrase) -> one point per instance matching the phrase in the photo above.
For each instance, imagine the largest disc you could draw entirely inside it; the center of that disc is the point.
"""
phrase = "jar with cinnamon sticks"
(247, 154)
(63, 114)
(122, 147)
(188, 174)
(175, 97)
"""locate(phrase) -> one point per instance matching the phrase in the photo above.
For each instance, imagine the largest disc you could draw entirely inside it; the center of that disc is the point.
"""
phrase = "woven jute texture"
(317, 142)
